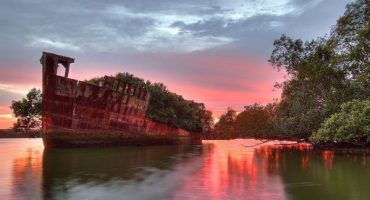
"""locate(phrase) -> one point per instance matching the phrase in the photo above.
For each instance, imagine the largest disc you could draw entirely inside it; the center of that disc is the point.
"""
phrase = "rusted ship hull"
(66, 139)
(77, 113)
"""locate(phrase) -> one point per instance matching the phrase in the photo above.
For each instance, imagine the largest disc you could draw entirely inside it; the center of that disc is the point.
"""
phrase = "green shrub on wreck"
(350, 125)
(168, 107)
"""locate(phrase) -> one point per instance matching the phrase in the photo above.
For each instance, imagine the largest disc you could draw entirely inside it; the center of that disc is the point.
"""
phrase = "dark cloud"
(127, 26)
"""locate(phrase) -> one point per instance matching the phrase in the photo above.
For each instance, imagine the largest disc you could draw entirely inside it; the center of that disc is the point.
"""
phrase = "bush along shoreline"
(348, 127)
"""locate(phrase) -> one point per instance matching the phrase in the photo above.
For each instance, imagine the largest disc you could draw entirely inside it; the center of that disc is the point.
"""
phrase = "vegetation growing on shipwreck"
(168, 107)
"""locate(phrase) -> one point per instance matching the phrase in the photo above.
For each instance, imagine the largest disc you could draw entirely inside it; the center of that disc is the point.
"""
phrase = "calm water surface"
(232, 169)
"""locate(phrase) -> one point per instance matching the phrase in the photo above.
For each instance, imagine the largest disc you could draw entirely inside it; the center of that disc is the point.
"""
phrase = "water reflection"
(20, 168)
(235, 169)
(308, 174)
(231, 171)
(119, 172)
(27, 174)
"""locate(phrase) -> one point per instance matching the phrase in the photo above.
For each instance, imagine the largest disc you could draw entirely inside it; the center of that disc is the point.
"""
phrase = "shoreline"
(336, 147)
(9, 133)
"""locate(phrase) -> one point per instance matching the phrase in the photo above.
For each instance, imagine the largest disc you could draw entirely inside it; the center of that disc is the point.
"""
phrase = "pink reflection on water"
(21, 168)
(232, 169)
(27, 173)
(235, 169)
(328, 157)
(305, 161)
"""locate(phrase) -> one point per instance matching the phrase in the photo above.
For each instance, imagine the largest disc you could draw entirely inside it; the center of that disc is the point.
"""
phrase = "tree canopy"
(323, 73)
(256, 121)
(28, 111)
(225, 128)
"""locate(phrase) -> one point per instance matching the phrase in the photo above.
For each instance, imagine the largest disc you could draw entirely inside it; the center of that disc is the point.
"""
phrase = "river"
(234, 169)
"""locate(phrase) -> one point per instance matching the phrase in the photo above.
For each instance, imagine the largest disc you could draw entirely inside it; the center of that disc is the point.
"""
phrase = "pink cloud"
(6, 123)
(4, 110)
(6, 118)
(21, 76)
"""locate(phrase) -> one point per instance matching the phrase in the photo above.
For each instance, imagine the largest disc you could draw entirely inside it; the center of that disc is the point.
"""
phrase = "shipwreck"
(77, 113)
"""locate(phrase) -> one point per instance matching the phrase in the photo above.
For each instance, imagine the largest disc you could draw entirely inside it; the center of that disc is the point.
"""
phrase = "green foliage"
(350, 125)
(225, 128)
(323, 73)
(256, 121)
(351, 39)
(168, 107)
(312, 90)
(28, 111)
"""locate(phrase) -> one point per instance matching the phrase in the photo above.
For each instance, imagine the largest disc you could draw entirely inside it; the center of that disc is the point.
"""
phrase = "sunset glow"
(211, 52)
(185, 100)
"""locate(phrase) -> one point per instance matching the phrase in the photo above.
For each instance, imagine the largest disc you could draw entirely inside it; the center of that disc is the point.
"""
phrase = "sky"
(210, 51)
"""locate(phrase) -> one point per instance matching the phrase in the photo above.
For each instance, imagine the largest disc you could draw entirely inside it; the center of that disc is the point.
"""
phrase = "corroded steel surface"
(80, 113)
